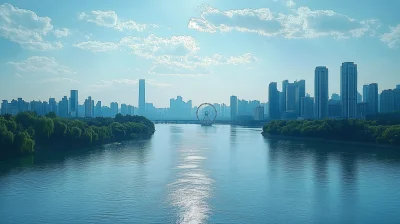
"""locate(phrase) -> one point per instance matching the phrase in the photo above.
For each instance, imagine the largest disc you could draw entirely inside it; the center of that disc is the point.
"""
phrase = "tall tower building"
(365, 93)
(372, 98)
(142, 97)
(89, 107)
(4, 107)
(348, 89)
(285, 83)
(321, 92)
(273, 101)
(234, 107)
(73, 103)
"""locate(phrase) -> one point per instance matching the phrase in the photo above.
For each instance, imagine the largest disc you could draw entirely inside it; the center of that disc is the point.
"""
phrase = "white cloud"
(60, 79)
(298, 23)
(61, 32)
(288, 3)
(97, 46)
(110, 19)
(392, 38)
(145, 47)
(42, 64)
(26, 28)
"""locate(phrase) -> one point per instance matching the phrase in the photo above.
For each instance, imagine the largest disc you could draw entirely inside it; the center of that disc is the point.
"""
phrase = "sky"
(202, 50)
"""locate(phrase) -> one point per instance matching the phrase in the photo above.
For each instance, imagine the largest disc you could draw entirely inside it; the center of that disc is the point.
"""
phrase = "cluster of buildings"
(293, 103)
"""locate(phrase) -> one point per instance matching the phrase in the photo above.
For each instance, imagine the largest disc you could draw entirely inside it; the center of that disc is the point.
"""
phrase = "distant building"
(53, 105)
(335, 96)
(348, 89)
(4, 107)
(362, 110)
(113, 109)
(124, 109)
(365, 93)
(359, 97)
(97, 110)
(282, 100)
(179, 109)
(234, 107)
(398, 86)
(131, 110)
(321, 92)
(307, 107)
(89, 107)
(63, 107)
(259, 113)
(142, 97)
(390, 100)
(372, 98)
(73, 103)
(334, 109)
(293, 93)
(273, 101)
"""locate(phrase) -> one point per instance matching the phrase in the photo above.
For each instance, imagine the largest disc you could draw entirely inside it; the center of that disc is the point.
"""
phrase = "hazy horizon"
(204, 51)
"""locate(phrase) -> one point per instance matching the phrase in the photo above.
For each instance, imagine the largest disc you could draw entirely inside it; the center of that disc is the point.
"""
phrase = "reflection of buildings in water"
(321, 166)
(348, 162)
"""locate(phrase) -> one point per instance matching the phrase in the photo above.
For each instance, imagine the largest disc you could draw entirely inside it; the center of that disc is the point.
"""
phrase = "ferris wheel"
(206, 114)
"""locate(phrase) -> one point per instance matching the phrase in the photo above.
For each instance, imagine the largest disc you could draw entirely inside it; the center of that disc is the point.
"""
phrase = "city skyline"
(102, 49)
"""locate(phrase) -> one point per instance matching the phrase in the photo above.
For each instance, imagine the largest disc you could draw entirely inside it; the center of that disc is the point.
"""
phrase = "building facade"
(73, 104)
(273, 101)
(234, 107)
(321, 92)
(142, 97)
(372, 98)
(348, 89)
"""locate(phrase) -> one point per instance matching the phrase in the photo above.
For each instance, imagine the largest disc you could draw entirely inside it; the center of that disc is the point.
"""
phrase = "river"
(195, 174)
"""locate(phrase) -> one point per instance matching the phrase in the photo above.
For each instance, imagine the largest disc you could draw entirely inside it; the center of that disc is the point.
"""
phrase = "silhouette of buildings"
(142, 97)
(273, 101)
(234, 107)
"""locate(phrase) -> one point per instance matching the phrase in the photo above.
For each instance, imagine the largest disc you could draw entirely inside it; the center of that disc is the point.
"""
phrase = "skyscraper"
(4, 107)
(307, 107)
(89, 107)
(300, 93)
(273, 101)
(348, 89)
(321, 92)
(387, 101)
(73, 103)
(285, 83)
(142, 97)
(365, 93)
(53, 105)
(63, 107)
(114, 108)
(372, 98)
(291, 90)
(234, 107)
(398, 86)
(97, 111)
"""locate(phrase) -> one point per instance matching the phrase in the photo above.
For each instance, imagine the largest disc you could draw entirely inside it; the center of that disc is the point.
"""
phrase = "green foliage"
(21, 133)
(342, 130)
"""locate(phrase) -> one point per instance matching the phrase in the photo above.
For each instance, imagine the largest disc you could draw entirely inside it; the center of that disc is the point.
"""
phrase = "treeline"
(22, 133)
(369, 131)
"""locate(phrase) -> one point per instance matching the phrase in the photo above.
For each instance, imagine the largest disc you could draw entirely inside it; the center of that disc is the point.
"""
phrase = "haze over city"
(204, 51)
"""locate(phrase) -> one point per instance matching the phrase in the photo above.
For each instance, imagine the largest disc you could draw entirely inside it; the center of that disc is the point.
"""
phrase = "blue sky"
(204, 50)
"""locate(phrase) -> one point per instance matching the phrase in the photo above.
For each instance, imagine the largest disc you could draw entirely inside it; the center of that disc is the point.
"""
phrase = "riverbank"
(353, 131)
(26, 132)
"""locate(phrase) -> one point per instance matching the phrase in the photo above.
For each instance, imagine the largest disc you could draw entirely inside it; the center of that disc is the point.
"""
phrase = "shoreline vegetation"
(350, 131)
(25, 132)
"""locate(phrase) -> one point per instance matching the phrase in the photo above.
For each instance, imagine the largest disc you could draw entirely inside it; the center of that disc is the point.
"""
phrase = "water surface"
(194, 174)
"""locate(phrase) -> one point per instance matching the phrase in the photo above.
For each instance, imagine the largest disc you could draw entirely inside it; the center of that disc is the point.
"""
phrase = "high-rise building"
(131, 110)
(142, 97)
(372, 98)
(179, 109)
(321, 92)
(293, 94)
(273, 101)
(365, 93)
(300, 93)
(73, 103)
(362, 110)
(282, 101)
(307, 107)
(359, 97)
(291, 90)
(234, 107)
(390, 100)
(124, 109)
(4, 107)
(63, 107)
(259, 113)
(89, 107)
(114, 109)
(348, 89)
(398, 86)
(21, 104)
(97, 110)
(53, 105)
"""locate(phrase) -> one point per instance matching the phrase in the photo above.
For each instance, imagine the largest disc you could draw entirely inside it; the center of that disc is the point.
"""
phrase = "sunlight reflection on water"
(191, 190)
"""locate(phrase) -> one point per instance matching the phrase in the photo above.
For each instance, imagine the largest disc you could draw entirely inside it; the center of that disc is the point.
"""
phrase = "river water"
(194, 174)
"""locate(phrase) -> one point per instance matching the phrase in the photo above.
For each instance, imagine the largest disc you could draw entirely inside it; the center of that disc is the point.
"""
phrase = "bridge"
(226, 122)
